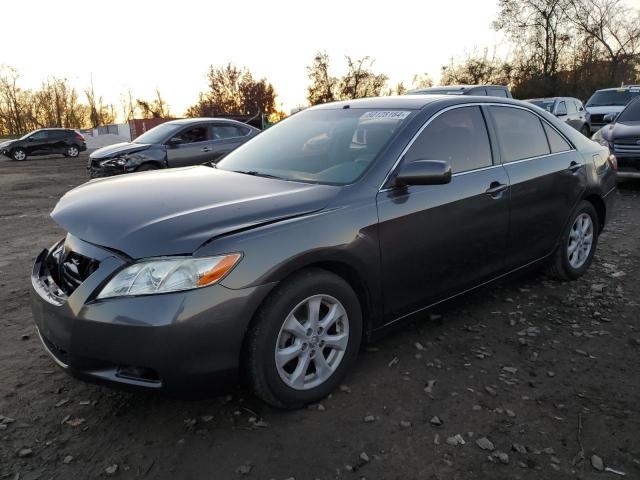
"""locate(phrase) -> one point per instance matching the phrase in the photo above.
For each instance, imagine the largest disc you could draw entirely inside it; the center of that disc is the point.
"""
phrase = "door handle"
(496, 188)
(206, 149)
(574, 166)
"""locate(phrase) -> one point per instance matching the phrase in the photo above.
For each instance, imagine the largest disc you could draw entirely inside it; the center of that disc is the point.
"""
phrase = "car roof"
(461, 88)
(187, 121)
(413, 102)
(550, 99)
(624, 87)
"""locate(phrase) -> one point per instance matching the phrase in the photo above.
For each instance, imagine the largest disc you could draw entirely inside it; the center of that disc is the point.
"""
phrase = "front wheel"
(586, 131)
(577, 245)
(303, 339)
(145, 167)
(19, 155)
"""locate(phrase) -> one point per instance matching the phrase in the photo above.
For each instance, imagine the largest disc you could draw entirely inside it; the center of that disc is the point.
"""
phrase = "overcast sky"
(144, 44)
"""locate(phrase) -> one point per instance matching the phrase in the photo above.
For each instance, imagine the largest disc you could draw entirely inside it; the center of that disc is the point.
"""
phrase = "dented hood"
(175, 211)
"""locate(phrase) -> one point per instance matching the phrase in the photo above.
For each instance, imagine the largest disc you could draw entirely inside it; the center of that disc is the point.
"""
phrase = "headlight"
(114, 161)
(169, 274)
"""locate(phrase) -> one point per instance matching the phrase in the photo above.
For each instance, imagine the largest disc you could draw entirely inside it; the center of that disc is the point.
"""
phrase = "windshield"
(157, 134)
(544, 104)
(605, 98)
(631, 113)
(318, 146)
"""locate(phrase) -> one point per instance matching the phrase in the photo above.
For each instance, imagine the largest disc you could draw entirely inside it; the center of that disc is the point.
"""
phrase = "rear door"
(190, 146)
(226, 137)
(57, 141)
(437, 240)
(547, 177)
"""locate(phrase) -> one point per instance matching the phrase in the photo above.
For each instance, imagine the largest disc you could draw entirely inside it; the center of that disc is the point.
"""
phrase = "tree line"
(558, 47)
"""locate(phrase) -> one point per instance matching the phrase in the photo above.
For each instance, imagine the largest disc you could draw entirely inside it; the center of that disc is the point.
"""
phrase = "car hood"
(175, 211)
(617, 130)
(118, 149)
(6, 144)
(605, 110)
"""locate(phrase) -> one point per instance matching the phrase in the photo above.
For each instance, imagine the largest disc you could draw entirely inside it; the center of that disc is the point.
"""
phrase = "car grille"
(69, 269)
(627, 147)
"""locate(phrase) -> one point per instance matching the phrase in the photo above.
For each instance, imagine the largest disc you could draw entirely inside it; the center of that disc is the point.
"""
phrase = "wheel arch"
(600, 207)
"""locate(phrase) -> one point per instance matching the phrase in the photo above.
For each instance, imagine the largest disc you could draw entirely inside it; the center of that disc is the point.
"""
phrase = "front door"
(190, 146)
(38, 143)
(438, 240)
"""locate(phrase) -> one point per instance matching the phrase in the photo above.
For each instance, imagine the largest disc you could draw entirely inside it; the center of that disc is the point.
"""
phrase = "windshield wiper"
(255, 173)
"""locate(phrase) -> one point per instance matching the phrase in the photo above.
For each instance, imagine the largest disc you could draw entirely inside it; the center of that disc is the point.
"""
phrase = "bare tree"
(99, 112)
(612, 26)
(156, 108)
(360, 81)
(324, 86)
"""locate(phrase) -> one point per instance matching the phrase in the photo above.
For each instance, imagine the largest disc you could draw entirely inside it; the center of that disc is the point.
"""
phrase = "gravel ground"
(528, 378)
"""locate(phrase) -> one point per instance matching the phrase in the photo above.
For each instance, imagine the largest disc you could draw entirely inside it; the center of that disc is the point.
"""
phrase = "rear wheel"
(578, 244)
(303, 340)
(19, 155)
(72, 151)
(585, 130)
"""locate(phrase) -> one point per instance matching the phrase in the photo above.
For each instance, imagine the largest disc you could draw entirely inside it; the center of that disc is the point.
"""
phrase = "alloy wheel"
(19, 155)
(72, 152)
(580, 240)
(312, 342)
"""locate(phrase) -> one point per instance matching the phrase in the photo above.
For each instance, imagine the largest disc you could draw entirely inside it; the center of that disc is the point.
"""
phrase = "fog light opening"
(141, 374)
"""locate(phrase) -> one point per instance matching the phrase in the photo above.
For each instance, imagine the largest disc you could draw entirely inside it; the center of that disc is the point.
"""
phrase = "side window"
(41, 135)
(571, 107)
(496, 92)
(556, 142)
(221, 132)
(192, 135)
(458, 136)
(561, 109)
(520, 134)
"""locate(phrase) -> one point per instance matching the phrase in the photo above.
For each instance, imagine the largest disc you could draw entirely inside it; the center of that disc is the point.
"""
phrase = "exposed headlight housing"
(169, 274)
(120, 161)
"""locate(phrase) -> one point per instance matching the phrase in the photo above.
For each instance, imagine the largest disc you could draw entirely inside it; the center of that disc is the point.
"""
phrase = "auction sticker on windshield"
(393, 114)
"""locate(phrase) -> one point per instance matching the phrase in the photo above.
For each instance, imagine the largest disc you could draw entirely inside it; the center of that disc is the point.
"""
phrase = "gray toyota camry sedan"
(325, 231)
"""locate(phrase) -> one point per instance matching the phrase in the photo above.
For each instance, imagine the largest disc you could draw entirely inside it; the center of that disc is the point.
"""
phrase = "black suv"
(482, 90)
(46, 141)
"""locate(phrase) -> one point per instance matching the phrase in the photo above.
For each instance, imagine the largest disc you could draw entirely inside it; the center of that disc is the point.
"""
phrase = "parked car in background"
(609, 102)
(483, 90)
(622, 137)
(568, 109)
(178, 143)
(46, 141)
(333, 226)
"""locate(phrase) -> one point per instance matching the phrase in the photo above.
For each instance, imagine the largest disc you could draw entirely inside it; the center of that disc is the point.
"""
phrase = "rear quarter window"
(556, 141)
(520, 134)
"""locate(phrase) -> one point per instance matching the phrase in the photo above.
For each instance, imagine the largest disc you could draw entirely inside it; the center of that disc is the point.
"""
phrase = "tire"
(145, 167)
(72, 151)
(570, 266)
(19, 155)
(586, 131)
(268, 336)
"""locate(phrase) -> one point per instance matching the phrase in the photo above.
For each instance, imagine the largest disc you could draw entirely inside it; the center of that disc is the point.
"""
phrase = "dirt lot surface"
(542, 374)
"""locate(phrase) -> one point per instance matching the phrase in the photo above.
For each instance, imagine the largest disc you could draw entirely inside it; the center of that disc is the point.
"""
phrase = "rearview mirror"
(424, 172)
(174, 141)
(610, 117)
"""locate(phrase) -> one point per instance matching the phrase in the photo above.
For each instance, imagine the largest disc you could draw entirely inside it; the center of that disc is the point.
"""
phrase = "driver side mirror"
(424, 172)
(174, 142)
(610, 117)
